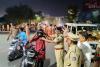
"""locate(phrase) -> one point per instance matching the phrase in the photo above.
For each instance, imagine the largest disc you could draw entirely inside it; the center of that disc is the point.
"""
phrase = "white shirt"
(87, 52)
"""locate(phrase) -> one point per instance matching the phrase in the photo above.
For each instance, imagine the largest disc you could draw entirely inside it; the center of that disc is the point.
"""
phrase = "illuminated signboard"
(92, 4)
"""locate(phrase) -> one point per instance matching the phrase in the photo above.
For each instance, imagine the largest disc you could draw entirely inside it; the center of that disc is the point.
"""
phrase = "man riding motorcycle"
(22, 36)
(17, 48)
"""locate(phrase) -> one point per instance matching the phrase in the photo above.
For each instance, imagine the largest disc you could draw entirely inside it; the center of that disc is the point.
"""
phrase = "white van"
(75, 27)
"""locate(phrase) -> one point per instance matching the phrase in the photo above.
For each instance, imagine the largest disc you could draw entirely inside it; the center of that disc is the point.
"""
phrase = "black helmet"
(21, 28)
(40, 34)
(59, 28)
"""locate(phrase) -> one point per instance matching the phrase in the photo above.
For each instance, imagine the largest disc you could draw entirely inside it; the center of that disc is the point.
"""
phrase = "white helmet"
(60, 24)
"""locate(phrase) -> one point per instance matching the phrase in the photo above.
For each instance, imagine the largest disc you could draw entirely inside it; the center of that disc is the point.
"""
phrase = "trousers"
(39, 63)
(59, 54)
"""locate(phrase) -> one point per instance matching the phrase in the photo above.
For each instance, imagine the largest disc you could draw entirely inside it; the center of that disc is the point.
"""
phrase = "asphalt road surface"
(4, 45)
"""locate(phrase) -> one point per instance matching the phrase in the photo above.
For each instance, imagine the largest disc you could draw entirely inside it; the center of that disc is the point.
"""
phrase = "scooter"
(15, 50)
(28, 60)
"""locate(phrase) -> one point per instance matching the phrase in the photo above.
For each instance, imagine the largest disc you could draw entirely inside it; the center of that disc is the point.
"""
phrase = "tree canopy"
(19, 13)
(72, 12)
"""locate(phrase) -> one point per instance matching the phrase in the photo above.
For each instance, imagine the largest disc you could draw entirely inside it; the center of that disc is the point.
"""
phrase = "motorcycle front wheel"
(25, 64)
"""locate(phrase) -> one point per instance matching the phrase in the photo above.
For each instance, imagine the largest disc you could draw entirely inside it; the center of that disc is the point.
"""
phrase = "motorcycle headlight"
(14, 41)
(29, 54)
(11, 48)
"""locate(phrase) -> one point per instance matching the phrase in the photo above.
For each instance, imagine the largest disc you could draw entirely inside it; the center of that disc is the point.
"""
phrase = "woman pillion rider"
(39, 47)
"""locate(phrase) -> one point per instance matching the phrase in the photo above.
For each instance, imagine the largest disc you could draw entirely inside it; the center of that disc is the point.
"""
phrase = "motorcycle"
(15, 50)
(28, 60)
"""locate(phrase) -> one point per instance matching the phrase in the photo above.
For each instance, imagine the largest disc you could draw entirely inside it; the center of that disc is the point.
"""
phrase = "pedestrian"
(8, 27)
(84, 45)
(93, 43)
(13, 32)
(73, 56)
(3, 27)
(0, 27)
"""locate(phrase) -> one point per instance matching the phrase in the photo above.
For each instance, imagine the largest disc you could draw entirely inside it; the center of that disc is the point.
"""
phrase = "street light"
(38, 18)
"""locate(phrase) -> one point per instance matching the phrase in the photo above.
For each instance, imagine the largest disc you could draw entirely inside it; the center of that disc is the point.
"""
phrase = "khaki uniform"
(73, 57)
(59, 50)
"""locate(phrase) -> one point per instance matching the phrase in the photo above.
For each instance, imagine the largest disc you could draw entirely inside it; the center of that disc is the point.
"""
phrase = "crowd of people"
(70, 50)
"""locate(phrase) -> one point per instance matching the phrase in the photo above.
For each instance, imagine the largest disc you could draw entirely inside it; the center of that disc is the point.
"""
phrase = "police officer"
(74, 54)
(58, 40)
(59, 47)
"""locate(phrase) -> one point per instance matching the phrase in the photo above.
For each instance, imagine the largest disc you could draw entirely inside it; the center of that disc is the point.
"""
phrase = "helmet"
(60, 24)
(40, 34)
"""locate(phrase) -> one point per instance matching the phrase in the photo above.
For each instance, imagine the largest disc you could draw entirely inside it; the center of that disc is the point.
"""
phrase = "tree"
(96, 16)
(19, 13)
(72, 12)
(38, 16)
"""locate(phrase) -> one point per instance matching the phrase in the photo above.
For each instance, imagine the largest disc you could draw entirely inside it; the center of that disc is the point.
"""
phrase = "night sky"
(52, 7)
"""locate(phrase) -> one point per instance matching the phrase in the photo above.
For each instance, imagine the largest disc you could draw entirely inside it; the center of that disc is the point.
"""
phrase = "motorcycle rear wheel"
(11, 57)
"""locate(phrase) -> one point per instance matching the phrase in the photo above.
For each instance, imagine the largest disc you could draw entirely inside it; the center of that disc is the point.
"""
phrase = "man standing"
(74, 55)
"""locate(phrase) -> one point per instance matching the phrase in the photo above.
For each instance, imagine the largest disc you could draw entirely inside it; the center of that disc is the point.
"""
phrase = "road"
(49, 62)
